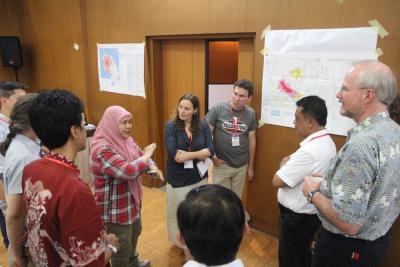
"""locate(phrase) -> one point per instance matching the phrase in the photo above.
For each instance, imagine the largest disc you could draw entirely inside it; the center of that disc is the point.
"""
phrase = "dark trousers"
(296, 234)
(128, 236)
(3, 229)
(334, 250)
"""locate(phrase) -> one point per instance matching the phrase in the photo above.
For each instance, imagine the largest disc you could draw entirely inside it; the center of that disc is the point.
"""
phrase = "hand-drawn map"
(311, 62)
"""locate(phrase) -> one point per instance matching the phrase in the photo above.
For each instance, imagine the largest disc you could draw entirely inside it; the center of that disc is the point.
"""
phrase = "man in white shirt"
(10, 91)
(298, 218)
(211, 222)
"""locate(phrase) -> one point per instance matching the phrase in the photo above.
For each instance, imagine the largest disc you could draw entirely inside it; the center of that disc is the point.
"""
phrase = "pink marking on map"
(107, 61)
(285, 88)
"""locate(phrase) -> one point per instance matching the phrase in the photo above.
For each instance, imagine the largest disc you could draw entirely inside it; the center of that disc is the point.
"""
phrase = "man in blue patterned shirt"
(359, 199)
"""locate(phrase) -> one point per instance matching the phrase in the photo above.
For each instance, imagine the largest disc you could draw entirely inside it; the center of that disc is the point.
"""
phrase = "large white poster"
(311, 62)
(121, 68)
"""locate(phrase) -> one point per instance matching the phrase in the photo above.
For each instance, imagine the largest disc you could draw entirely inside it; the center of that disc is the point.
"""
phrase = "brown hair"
(19, 120)
(195, 124)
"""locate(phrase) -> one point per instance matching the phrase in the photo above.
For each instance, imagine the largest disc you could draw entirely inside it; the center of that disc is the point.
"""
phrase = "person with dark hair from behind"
(298, 221)
(10, 91)
(63, 222)
(211, 223)
(20, 148)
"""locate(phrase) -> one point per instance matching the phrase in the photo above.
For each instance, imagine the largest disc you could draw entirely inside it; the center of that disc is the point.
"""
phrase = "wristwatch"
(311, 194)
(112, 248)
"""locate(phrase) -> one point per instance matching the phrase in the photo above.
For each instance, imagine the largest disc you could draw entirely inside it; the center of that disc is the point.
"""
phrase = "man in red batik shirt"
(63, 221)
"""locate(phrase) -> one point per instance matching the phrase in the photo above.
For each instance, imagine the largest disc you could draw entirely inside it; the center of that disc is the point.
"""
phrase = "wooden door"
(245, 71)
(246, 59)
(183, 71)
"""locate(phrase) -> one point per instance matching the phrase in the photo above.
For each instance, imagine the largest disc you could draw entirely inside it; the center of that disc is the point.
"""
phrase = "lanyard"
(190, 143)
(190, 137)
(236, 122)
(319, 136)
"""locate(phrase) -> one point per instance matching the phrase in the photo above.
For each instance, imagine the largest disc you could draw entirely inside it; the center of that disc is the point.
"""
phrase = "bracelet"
(112, 248)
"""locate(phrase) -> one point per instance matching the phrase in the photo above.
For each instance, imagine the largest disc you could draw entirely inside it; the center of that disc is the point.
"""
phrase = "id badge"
(235, 141)
(188, 164)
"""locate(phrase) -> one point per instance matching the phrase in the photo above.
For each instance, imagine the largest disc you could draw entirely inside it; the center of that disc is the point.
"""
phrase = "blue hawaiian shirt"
(363, 180)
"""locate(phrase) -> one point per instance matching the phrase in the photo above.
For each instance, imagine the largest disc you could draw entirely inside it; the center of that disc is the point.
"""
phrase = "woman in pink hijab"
(117, 163)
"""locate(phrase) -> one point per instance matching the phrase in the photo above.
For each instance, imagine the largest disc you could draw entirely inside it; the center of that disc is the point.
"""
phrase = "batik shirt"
(363, 180)
(63, 221)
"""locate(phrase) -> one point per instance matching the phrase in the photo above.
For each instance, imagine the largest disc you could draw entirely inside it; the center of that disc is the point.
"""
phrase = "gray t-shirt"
(20, 153)
(228, 122)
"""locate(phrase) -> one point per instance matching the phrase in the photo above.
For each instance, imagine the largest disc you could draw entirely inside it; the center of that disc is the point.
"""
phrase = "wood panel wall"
(12, 23)
(53, 26)
(54, 29)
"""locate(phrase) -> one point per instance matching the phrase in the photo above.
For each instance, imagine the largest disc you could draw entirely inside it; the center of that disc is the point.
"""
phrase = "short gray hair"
(380, 78)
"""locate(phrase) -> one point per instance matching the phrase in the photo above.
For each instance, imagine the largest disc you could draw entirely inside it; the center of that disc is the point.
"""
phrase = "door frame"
(153, 85)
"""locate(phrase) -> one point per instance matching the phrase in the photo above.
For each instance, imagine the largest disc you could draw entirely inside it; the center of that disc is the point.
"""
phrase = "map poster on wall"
(311, 62)
(121, 68)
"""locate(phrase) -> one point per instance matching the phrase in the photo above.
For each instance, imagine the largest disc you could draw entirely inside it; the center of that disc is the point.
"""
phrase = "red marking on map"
(285, 88)
(107, 61)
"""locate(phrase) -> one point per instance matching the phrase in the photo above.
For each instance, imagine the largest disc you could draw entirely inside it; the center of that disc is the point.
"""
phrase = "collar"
(32, 145)
(235, 263)
(367, 122)
(4, 118)
(62, 160)
(311, 136)
(235, 110)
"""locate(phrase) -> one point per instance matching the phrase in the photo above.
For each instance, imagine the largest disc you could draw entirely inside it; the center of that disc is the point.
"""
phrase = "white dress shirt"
(235, 263)
(313, 156)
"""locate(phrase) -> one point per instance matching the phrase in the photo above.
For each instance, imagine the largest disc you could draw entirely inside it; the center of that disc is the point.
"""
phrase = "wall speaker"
(10, 49)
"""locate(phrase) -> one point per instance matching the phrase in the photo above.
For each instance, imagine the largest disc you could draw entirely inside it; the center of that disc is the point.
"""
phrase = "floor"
(257, 249)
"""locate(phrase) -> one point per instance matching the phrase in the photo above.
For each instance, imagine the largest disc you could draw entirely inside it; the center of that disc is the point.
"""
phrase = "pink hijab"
(108, 133)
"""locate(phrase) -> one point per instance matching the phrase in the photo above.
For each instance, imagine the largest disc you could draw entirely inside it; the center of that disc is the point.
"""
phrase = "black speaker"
(10, 49)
